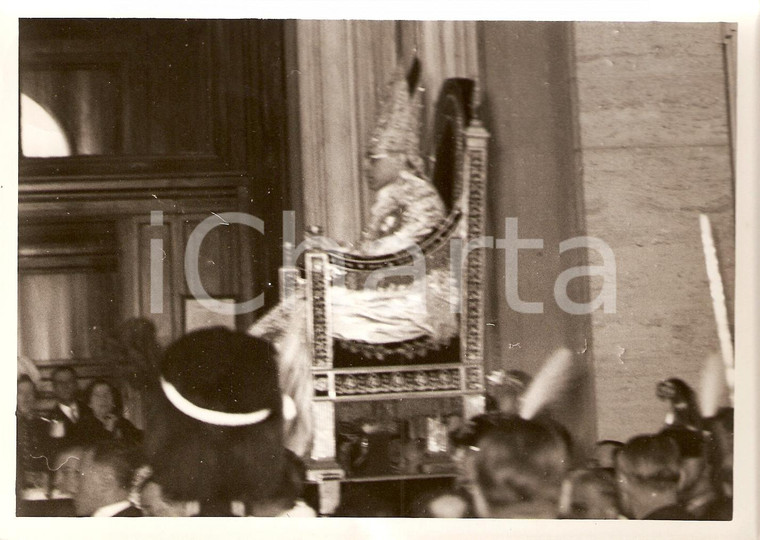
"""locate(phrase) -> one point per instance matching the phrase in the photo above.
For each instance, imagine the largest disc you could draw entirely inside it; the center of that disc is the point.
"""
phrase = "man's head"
(384, 169)
(65, 384)
(67, 467)
(505, 390)
(696, 474)
(589, 494)
(107, 471)
(648, 472)
(215, 431)
(519, 466)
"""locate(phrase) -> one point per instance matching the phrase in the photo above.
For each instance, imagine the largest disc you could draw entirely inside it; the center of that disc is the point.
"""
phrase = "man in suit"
(107, 471)
(67, 411)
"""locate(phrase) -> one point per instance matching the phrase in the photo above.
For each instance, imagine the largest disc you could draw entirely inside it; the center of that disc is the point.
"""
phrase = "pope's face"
(384, 169)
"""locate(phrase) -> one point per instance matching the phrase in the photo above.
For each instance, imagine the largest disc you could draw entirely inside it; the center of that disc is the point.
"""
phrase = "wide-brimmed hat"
(221, 377)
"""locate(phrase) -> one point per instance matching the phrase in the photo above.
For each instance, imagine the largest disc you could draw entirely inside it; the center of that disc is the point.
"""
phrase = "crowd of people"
(527, 469)
(214, 446)
(213, 442)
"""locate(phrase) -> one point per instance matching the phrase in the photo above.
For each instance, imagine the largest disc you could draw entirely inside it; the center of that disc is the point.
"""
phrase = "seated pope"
(406, 209)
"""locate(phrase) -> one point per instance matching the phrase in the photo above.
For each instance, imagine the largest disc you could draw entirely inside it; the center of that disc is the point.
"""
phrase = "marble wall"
(655, 150)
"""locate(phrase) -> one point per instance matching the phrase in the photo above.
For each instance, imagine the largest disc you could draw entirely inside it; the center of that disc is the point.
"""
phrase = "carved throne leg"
(323, 468)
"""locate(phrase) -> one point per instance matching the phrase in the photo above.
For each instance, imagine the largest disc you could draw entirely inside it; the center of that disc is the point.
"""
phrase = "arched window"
(41, 134)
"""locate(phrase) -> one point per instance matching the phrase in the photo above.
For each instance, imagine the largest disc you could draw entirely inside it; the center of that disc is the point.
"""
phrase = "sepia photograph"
(483, 269)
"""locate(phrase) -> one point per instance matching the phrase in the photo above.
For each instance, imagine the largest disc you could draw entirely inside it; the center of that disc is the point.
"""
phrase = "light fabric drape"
(61, 315)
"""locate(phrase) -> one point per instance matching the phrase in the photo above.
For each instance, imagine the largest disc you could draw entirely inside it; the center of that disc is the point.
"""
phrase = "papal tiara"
(219, 418)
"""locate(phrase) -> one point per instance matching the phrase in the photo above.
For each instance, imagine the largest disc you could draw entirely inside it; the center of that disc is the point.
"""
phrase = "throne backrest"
(453, 114)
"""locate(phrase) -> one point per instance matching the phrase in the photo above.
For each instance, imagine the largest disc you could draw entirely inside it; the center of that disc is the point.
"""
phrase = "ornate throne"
(412, 380)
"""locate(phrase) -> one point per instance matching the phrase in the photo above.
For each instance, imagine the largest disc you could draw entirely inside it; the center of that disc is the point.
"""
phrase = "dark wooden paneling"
(201, 131)
(152, 95)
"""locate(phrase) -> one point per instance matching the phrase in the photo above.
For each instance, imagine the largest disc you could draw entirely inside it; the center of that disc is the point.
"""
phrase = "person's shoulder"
(128, 428)
(410, 179)
(419, 188)
(87, 417)
(82, 408)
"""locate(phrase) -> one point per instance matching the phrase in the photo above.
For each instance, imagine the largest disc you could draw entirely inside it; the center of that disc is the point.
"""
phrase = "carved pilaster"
(473, 283)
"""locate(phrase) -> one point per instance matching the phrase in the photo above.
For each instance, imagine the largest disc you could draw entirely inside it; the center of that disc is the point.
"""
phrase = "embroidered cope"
(404, 212)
